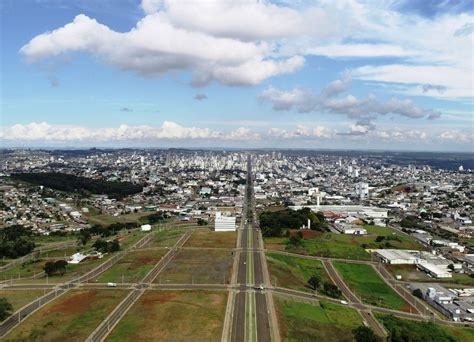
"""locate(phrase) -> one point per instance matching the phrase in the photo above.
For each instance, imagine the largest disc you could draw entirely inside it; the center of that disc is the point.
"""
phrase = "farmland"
(322, 321)
(71, 317)
(365, 283)
(173, 316)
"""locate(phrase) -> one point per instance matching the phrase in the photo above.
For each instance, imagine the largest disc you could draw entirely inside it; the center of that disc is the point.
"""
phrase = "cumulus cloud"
(319, 132)
(158, 45)
(329, 100)
(457, 136)
(43, 131)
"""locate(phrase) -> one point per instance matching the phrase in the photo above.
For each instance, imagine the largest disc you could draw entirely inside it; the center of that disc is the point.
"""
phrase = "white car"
(343, 302)
(111, 284)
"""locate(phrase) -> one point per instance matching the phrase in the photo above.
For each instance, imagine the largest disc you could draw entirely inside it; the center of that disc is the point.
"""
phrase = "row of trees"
(106, 246)
(83, 185)
(16, 241)
(331, 290)
(277, 223)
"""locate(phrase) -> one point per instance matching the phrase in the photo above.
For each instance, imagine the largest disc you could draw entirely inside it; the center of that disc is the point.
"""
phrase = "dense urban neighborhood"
(265, 235)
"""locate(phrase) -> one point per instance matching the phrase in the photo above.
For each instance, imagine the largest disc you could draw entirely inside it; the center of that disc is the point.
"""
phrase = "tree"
(332, 290)
(84, 236)
(365, 334)
(314, 282)
(202, 222)
(418, 293)
(296, 240)
(6, 309)
(52, 268)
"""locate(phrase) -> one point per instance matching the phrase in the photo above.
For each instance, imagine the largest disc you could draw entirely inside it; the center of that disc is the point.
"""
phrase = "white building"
(224, 223)
(362, 190)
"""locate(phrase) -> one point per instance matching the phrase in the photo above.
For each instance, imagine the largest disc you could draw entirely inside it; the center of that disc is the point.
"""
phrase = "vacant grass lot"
(294, 272)
(411, 273)
(71, 317)
(133, 266)
(72, 271)
(198, 266)
(323, 321)
(165, 238)
(408, 330)
(207, 238)
(366, 283)
(19, 298)
(343, 246)
(173, 316)
(105, 219)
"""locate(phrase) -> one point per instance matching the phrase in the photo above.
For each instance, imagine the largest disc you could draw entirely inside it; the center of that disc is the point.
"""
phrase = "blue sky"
(157, 73)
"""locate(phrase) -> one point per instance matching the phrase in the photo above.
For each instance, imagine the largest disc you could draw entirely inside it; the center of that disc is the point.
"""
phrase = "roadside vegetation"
(321, 321)
(402, 330)
(278, 223)
(366, 283)
(295, 273)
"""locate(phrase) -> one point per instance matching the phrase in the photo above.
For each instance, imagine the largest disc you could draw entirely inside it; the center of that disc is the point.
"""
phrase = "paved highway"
(250, 318)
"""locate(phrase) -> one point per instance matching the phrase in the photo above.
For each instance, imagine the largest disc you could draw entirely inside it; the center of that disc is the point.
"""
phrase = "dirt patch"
(309, 234)
(74, 304)
(408, 308)
(162, 297)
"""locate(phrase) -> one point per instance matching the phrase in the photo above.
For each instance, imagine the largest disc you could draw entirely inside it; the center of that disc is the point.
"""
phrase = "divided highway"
(250, 316)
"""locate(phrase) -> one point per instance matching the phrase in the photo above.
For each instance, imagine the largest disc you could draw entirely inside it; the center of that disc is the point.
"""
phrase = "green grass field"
(71, 317)
(294, 272)
(165, 238)
(366, 283)
(323, 321)
(19, 298)
(206, 238)
(198, 266)
(105, 219)
(406, 330)
(133, 266)
(343, 246)
(173, 316)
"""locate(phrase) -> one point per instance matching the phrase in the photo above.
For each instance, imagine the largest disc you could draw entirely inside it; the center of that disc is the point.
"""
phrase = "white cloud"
(328, 101)
(155, 47)
(360, 50)
(318, 132)
(458, 136)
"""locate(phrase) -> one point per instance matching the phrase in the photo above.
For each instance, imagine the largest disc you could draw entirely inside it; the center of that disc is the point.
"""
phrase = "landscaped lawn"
(393, 238)
(207, 238)
(210, 266)
(71, 317)
(322, 321)
(407, 330)
(133, 266)
(366, 283)
(173, 316)
(293, 272)
(19, 298)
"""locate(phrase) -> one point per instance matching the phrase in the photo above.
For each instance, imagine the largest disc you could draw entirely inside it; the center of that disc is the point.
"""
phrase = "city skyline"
(389, 75)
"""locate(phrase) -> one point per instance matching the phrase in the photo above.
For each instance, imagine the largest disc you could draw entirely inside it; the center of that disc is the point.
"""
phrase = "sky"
(322, 74)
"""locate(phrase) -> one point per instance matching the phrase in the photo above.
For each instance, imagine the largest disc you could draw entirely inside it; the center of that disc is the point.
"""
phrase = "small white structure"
(224, 223)
(75, 214)
(350, 229)
(76, 258)
(145, 227)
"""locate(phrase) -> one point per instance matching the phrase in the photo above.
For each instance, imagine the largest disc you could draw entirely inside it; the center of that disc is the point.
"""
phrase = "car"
(343, 302)
(111, 284)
